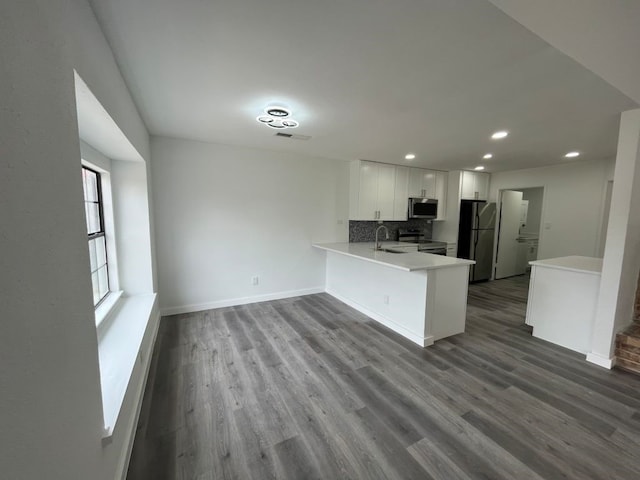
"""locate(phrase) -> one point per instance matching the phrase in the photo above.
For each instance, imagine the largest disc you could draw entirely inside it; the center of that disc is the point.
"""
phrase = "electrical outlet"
(385, 299)
(255, 280)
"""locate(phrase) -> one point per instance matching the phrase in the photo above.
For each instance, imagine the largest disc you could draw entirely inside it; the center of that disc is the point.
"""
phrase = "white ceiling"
(369, 79)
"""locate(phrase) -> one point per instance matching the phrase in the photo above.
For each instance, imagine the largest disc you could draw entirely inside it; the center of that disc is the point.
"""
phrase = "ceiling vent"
(292, 136)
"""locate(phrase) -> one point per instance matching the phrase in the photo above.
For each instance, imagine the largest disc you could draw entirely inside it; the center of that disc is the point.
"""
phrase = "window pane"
(103, 281)
(86, 216)
(96, 288)
(93, 217)
(90, 185)
(101, 252)
(92, 255)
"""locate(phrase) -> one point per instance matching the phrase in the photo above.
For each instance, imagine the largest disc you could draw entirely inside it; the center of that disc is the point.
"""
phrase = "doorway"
(519, 219)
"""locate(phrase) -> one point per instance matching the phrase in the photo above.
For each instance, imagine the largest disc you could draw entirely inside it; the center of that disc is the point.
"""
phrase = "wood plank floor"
(308, 388)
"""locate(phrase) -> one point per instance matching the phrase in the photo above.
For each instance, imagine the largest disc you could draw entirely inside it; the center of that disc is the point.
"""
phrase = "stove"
(425, 245)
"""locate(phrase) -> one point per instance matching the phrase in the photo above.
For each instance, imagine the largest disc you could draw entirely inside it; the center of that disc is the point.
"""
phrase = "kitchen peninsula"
(418, 295)
(563, 293)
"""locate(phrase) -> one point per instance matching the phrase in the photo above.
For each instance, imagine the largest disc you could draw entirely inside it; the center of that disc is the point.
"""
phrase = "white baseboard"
(232, 302)
(601, 361)
(415, 338)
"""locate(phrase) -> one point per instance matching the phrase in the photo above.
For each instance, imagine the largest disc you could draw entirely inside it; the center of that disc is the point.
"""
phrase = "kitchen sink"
(390, 250)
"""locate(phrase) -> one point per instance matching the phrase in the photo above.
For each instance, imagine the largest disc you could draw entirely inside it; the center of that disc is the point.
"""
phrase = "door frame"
(499, 218)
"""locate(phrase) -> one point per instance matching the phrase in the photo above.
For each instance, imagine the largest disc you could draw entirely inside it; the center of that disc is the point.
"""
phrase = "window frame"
(101, 233)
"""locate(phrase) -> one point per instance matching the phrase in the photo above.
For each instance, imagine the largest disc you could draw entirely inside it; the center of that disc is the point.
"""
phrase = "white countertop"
(409, 262)
(573, 263)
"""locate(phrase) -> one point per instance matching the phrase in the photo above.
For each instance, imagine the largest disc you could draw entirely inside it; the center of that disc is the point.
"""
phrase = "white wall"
(131, 214)
(50, 406)
(622, 251)
(224, 214)
(573, 204)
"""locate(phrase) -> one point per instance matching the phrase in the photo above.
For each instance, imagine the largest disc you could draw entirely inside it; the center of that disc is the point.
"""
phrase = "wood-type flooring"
(308, 388)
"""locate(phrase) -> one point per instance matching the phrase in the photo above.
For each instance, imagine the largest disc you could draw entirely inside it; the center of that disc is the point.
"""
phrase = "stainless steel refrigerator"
(475, 236)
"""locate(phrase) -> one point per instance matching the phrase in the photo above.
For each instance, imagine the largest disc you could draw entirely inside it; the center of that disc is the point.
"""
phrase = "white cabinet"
(441, 194)
(475, 186)
(429, 184)
(422, 183)
(379, 191)
(372, 191)
(401, 194)
(452, 249)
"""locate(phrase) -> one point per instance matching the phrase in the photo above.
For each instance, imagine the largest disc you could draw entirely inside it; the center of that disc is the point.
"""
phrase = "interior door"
(509, 231)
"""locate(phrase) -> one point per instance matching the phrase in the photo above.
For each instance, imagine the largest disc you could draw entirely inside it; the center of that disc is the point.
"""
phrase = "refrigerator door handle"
(472, 256)
(474, 244)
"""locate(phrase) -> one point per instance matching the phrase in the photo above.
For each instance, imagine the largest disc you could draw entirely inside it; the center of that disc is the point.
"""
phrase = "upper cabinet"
(442, 179)
(372, 191)
(401, 195)
(474, 186)
(429, 184)
(422, 183)
(379, 191)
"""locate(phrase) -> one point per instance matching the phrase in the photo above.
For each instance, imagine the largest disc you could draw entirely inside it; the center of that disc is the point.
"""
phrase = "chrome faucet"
(378, 245)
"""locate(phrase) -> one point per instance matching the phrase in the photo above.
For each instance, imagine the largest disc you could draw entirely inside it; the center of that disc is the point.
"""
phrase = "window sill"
(107, 306)
(120, 345)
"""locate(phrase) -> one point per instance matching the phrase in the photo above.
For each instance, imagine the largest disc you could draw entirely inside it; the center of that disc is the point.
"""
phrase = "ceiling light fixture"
(487, 156)
(479, 167)
(410, 156)
(279, 112)
(500, 134)
(572, 154)
(277, 117)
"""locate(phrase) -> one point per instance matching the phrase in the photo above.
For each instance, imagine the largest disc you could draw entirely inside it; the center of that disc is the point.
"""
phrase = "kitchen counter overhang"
(409, 262)
(421, 296)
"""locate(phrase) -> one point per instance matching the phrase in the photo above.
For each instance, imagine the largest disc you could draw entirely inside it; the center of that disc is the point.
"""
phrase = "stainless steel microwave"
(423, 207)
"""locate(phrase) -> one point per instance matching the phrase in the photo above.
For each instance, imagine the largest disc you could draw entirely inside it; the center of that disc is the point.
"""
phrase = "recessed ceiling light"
(500, 134)
(479, 167)
(410, 156)
(487, 156)
(572, 154)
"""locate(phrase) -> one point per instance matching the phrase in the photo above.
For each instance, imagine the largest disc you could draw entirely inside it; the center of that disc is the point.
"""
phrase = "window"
(94, 212)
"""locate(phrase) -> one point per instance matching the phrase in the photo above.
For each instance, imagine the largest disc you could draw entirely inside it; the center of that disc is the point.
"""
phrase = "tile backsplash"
(365, 231)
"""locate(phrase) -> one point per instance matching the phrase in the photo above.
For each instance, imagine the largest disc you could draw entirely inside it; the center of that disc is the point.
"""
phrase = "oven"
(425, 245)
